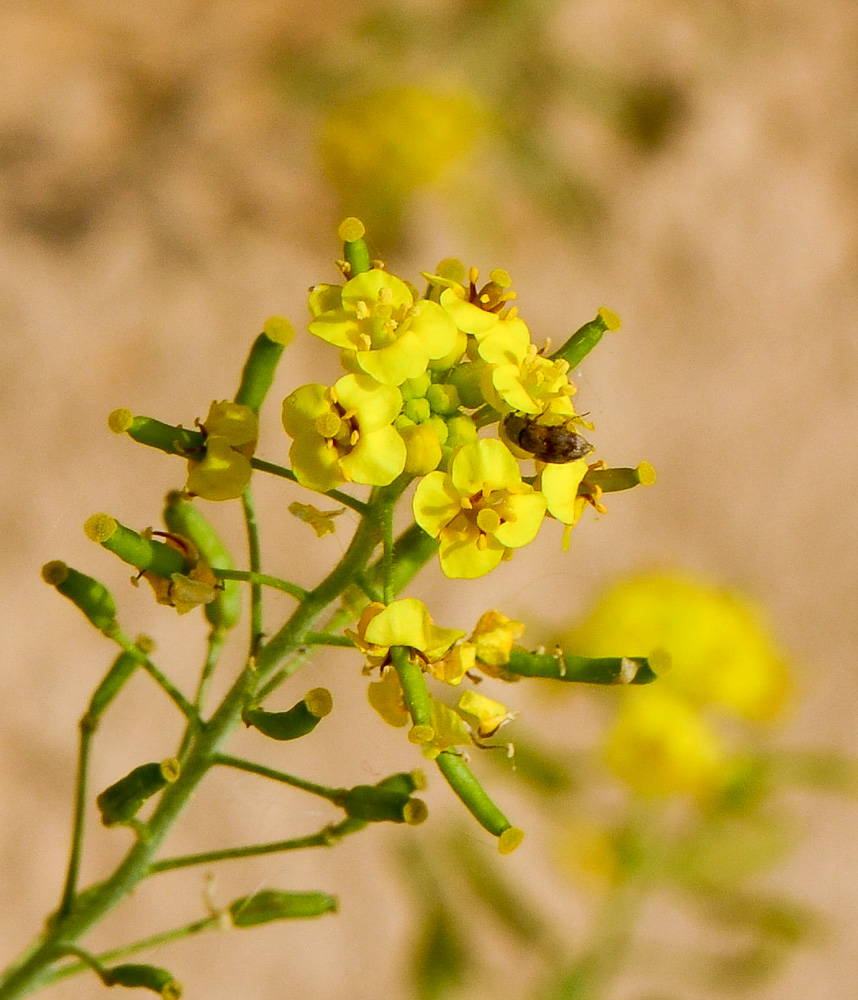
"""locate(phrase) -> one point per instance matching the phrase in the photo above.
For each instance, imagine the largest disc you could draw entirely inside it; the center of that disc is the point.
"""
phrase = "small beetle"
(553, 443)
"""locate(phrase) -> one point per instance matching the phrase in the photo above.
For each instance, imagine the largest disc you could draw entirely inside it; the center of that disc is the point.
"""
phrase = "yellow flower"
(524, 380)
(375, 319)
(659, 744)
(402, 623)
(378, 148)
(231, 431)
(476, 311)
(446, 730)
(489, 714)
(494, 636)
(387, 699)
(480, 510)
(321, 521)
(721, 652)
(345, 433)
(559, 485)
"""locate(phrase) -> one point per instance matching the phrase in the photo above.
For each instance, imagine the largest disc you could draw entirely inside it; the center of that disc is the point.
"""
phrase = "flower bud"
(185, 519)
(298, 721)
(136, 549)
(149, 977)
(264, 907)
(154, 433)
(443, 399)
(92, 597)
(120, 802)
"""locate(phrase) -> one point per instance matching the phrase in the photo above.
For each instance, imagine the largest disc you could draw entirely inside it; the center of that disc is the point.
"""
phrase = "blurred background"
(171, 174)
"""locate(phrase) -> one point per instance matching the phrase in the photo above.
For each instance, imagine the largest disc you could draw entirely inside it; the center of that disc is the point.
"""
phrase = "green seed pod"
(264, 907)
(461, 779)
(351, 231)
(92, 597)
(122, 668)
(377, 804)
(186, 519)
(149, 977)
(586, 670)
(120, 802)
(615, 480)
(405, 781)
(146, 430)
(137, 550)
(261, 364)
(579, 345)
(298, 721)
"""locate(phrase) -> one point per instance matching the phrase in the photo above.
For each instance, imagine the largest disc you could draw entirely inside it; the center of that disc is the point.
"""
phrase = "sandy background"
(160, 197)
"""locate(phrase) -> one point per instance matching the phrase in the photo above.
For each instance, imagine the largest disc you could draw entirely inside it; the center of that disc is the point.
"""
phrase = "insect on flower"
(554, 443)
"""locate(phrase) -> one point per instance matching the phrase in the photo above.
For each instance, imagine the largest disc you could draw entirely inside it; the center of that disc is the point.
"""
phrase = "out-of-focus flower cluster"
(725, 665)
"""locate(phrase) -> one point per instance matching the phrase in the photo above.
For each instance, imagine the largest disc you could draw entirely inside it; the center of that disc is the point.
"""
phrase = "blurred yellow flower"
(659, 744)
(722, 653)
(379, 148)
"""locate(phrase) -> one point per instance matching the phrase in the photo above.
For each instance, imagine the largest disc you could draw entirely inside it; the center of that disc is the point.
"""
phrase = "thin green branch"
(70, 886)
(255, 559)
(187, 709)
(278, 470)
(327, 837)
(144, 944)
(262, 580)
(216, 640)
(326, 639)
(331, 794)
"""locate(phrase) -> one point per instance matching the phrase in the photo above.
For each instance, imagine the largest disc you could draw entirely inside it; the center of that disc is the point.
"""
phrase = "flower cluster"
(428, 377)
(443, 654)
(442, 392)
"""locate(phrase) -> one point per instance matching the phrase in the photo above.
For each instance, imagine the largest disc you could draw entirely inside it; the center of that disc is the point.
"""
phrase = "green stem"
(326, 639)
(331, 794)
(255, 560)
(417, 698)
(283, 473)
(262, 580)
(70, 887)
(387, 552)
(327, 837)
(145, 944)
(216, 640)
(166, 685)
(88, 908)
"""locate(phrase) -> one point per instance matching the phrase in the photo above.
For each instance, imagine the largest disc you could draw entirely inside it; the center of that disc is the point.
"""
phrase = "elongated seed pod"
(377, 804)
(92, 597)
(137, 550)
(298, 721)
(120, 802)
(186, 519)
(272, 904)
(148, 977)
